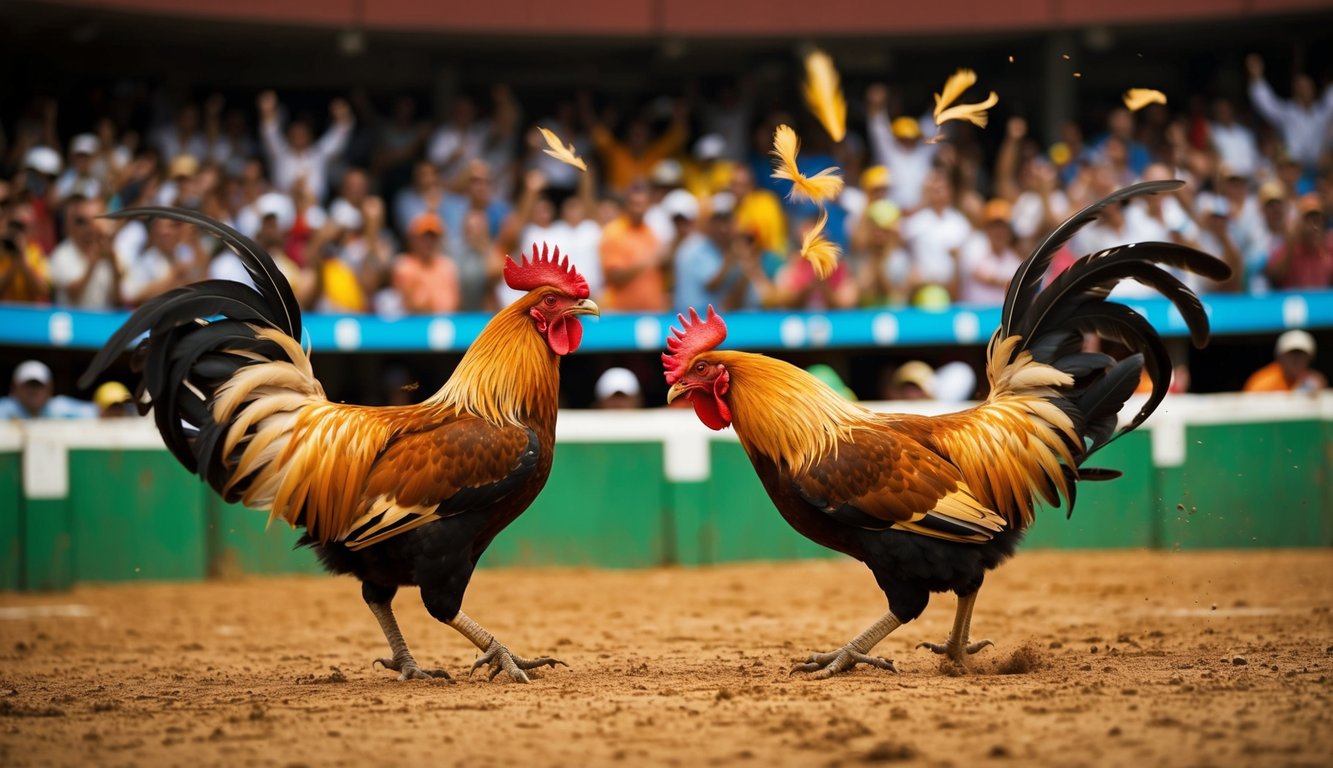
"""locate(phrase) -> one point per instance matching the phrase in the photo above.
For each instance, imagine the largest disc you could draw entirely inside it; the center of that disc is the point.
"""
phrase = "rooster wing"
(881, 478)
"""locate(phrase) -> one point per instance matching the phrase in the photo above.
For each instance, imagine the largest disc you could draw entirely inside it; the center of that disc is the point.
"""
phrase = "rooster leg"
(957, 645)
(495, 654)
(825, 665)
(402, 661)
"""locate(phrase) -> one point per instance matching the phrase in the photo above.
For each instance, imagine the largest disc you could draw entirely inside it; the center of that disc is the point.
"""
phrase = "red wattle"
(711, 410)
(564, 335)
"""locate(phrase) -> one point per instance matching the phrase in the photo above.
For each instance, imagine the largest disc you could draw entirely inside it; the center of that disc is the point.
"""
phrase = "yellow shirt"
(760, 213)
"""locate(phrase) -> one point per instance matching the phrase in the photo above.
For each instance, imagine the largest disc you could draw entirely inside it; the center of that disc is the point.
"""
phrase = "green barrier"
(651, 489)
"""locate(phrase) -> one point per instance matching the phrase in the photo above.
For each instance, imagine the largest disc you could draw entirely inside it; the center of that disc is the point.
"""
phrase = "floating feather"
(1138, 98)
(560, 152)
(820, 252)
(954, 87)
(825, 185)
(823, 93)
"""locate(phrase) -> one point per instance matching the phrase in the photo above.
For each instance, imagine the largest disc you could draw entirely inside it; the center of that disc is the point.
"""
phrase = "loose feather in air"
(560, 152)
(825, 185)
(954, 88)
(823, 93)
(819, 251)
(1138, 98)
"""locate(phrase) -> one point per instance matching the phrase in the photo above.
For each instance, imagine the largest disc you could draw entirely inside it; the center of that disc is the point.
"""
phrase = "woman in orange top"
(424, 276)
(1290, 371)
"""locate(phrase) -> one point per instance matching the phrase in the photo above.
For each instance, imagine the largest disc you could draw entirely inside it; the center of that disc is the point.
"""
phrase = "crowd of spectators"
(386, 213)
(369, 210)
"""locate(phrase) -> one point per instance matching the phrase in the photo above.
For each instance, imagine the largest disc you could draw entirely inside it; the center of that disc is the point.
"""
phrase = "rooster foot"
(826, 665)
(501, 660)
(408, 670)
(956, 651)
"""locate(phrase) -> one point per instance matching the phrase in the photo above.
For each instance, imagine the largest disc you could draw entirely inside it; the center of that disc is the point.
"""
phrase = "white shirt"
(287, 165)
(980, 260)
(68, 265)
(1235, 147)
(1028, 208)
(930, 237)
(142, 271)
(908, 166)
(469, 143)
(1303, 130)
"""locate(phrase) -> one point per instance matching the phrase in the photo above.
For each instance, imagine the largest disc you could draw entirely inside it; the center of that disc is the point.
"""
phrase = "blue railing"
(22, 325)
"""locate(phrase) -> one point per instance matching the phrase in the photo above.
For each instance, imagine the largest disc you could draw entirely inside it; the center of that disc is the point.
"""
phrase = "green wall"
(134, 513)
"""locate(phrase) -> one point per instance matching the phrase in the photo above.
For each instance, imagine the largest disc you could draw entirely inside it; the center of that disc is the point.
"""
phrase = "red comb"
(694, 336)
(546, 268)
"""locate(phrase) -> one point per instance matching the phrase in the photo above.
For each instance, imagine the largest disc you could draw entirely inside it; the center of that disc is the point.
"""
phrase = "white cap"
(1294, 341)
(955, 382)
(32, 370)
(43, 160)
(84, 144)
(710, 146)
(615, 380)
(345, 215)
(276, 204)
(667, 173)
(680, 202)
(1210, 204)
(722, 203)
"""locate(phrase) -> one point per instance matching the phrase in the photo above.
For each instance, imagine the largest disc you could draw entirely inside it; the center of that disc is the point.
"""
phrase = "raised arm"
(335, 139)
(1265, 101)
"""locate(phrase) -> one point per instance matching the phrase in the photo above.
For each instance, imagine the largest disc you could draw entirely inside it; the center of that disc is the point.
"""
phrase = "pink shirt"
(427, 288)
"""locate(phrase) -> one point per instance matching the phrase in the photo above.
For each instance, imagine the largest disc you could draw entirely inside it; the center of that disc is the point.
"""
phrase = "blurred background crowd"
(389, 174)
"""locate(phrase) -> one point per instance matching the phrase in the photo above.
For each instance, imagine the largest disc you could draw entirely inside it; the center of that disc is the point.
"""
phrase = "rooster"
(408, 495)
(930, 504)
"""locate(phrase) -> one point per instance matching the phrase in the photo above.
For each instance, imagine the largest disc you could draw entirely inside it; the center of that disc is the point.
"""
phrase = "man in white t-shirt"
(84, 270)
(989, 260)
(934, 236)
(296, 157)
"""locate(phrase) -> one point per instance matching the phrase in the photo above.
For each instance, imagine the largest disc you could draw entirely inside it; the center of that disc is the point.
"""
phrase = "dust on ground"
(1136, 659)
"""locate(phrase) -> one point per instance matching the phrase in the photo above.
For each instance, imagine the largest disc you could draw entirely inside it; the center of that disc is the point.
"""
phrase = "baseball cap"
(666, 173)
(183, 165)
(84, 144)
(875, 176)
(918, 373)
(345, 215)
(276, 204)
(906, 128)
(997, 209)
(1309, 203)
(111, 393)
(1271, 190)
(43, 159)
(616, 380)
(680, 202)
(1294, 341)
(32, 370)
(710, 146)
(723, 203)
(426, 223)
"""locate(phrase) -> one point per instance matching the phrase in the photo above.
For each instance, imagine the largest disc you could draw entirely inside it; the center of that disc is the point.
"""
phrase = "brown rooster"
(930, 504)
(399, 495)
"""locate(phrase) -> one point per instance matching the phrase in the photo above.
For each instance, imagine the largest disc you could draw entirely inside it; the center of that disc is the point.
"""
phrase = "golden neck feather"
(509, 374)
(783, 412)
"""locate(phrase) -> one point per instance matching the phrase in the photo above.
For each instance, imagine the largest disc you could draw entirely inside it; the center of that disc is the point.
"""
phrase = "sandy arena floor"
(1135, 659)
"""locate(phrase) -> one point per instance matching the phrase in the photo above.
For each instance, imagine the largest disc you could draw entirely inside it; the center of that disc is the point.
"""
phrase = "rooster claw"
(955, 650)
(408, 670)
(501, 660)
(826, 665)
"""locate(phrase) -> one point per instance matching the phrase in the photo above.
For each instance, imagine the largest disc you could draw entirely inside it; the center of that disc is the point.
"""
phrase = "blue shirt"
(697, 261)
(58, 407)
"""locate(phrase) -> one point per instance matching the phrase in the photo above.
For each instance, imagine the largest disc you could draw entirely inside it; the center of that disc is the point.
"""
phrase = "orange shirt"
(622, 167)
(427, 289)
(625, 246)
(1270, 379)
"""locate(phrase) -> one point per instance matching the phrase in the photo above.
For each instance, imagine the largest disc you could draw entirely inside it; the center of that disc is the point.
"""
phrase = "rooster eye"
(700, 368)
(550, 301)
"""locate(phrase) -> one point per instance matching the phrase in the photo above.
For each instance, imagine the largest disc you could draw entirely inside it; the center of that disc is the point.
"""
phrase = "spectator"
(709, 170)
(480, 266)
(182, 136)
(625, 162)
(1121, 146)
(297, 158)
(935, 235)
(759, 212)
(113, 401)
(913, 380)
(883, 266)
(1306, 260)
(617, 388)
(478, 196)
(1217, 238)
(874, 186)
(1290, 370)
(633, 260)
(1273, 236)
(798, 287)
(1302, 122)
(425, 278)
(349, 260)
(562, 178)
(897, 145)
(714, 264)
(665, 177)
(32, 396)
(425, 195)
(398, 142)
(1233, 141)
(174, 257)
(84, 269)
(23, 267)
(989, 259)
(81, 177)
(466, 139)
(36, 186)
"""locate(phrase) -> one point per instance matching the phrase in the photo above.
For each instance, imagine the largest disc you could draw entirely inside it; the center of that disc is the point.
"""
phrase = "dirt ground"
(1136, 659)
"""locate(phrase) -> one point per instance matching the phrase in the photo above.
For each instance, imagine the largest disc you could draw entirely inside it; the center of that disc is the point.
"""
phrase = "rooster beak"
(584, 307)
(676, 391)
